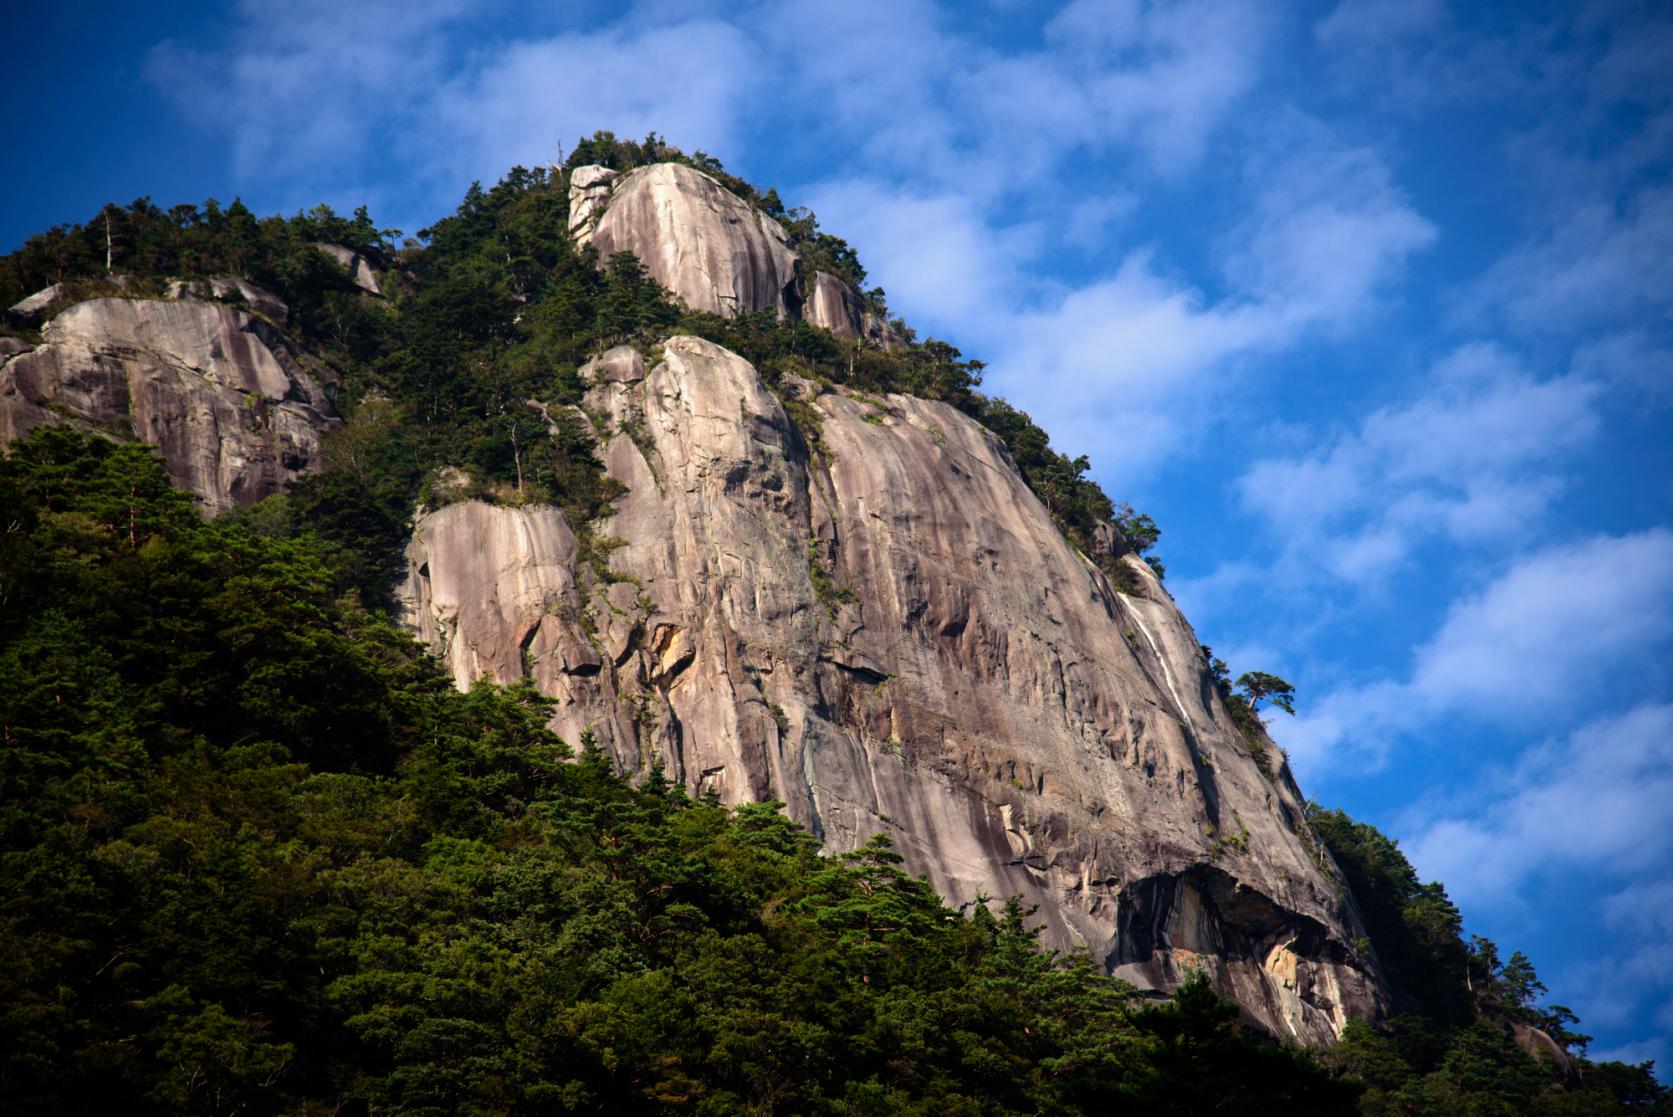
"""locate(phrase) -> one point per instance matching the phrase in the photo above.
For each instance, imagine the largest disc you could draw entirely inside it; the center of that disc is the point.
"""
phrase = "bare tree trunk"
(107, 242)
(517, 456)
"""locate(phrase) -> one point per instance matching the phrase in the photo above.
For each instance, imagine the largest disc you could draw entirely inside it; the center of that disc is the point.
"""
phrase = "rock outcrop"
(361, 272)
(695, 237)
(230, 403)
(872, 619)
(831, 303)
(589, 192)
(233, 289)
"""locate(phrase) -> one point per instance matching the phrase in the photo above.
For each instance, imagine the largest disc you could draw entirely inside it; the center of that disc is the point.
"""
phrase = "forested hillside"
(257, 854)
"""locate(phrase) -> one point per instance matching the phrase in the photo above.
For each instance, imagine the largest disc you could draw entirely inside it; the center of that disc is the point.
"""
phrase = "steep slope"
(230, 403)
(867, 615)
(697, 239)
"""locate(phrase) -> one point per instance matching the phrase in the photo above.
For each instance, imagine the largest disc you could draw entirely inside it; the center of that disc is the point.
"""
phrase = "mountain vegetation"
(257, 855)
(260, 856)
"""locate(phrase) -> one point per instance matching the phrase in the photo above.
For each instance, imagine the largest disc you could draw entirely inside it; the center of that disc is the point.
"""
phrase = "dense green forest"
(259, 856)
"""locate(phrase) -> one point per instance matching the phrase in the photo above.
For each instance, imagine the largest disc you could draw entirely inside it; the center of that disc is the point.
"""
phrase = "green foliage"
(150, 244)
(1451, 1051)
(1244, 698)
(1414, 927)
(258, 856)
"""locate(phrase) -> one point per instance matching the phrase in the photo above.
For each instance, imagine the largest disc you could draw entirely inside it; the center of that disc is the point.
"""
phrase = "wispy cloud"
(1597, 265)
(1590, 807)
(690, 80)
(1475, 458)
(1562, 630)
(1594, 802)
(306, 87)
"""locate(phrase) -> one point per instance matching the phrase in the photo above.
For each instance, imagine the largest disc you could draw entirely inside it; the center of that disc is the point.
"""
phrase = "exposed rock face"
(26, 312)
(831, 303)
(509, 626)
(888, 634)
(696, 238)
(360, 269)
(589, 192)
(232, 288)
(226, 399)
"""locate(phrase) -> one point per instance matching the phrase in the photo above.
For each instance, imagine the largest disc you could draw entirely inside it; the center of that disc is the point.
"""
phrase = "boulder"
(234, 409)
(620, 365)
(360, 269)
(876, 622)
(699, 240)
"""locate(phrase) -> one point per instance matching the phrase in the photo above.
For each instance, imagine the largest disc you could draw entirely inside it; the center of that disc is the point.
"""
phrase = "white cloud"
(306, 85)
(1558, 631)
(1374, 24)
(1115, 366)
(1328, 230)
(1595, 802)
(942, 262)
(1474, 459)
(1160, 75)
(1593, 807)
(1630, 358)
(688, 81)
(1551, 628)
(1597, 265)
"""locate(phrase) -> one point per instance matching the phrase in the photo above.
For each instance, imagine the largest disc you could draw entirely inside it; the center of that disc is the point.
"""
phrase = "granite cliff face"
(871, 618)
(232, 406)
(711, 248)
(696, 238)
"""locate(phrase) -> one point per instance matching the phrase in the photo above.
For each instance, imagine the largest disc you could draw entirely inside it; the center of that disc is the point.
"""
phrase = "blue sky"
(1369, 303)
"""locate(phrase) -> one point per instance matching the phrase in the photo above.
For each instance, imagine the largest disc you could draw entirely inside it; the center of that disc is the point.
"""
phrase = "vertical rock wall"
(695, 237)
(871, 618)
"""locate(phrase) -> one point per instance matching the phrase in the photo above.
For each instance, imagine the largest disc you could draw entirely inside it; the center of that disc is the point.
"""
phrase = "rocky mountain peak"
(695, 237)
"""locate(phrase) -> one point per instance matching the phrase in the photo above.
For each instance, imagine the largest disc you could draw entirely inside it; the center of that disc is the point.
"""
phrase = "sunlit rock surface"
(233, 408)
(876, 622)
(695, 237)
(589, 192)
(831, 303)
(361, 272)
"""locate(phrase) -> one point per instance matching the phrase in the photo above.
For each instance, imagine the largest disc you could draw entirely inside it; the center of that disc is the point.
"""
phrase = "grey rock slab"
(360, 269)
(622, 364)
(699, 240)
(26, 312)
(832, 304)
(589, 193)
(891, 636)
(233, 289)
(232, 407)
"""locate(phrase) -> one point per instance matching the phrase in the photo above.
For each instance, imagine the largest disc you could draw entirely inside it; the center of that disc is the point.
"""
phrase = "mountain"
(860, 611)
(631, 434)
